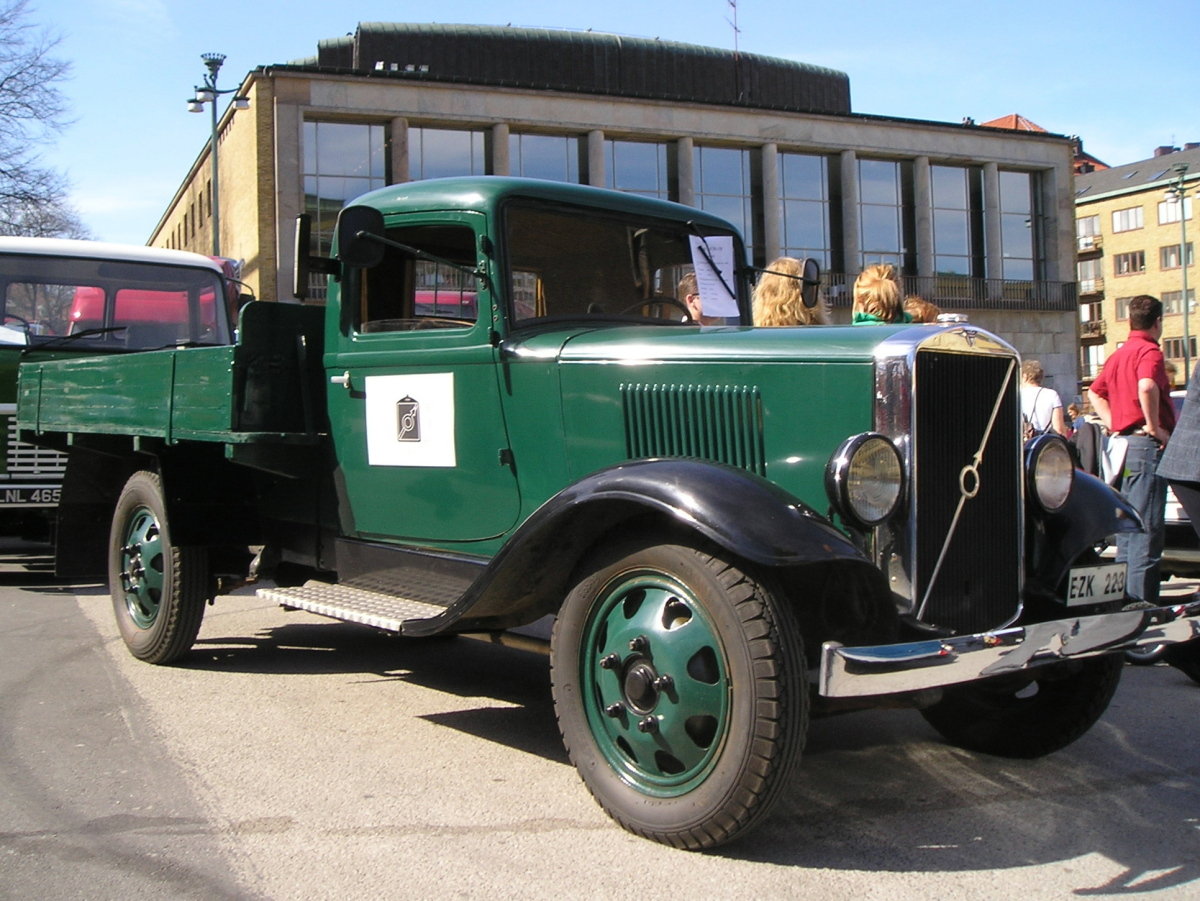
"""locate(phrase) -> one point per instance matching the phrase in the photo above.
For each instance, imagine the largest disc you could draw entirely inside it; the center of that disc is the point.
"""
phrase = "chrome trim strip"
(933, 663)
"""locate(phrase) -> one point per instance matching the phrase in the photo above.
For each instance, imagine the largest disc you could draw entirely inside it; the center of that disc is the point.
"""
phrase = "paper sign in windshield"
(715, 274)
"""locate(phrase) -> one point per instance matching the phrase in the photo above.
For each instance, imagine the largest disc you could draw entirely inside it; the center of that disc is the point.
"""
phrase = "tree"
(33, 199)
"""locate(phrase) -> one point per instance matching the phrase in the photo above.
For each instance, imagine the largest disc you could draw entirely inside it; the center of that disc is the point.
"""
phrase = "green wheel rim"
(142, 566)
(655, 683)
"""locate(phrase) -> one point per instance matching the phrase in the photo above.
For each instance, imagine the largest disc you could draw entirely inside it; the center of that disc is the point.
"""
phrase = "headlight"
(865, 479)
(1050, 469)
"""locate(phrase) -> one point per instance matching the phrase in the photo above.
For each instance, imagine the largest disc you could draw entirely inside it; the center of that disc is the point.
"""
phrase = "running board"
(383, 611)
(352, 605)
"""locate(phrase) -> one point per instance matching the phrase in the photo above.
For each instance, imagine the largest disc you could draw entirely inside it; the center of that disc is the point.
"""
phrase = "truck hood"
(635, 344)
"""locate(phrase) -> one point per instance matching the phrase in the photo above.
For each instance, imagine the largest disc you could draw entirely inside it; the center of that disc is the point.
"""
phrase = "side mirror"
(810, 282)
(359, 230)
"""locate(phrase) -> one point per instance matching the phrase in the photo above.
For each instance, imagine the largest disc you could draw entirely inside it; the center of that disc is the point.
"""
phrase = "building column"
(595, 158)
(851, 248)
(398, 136)
(772, 203)
(685, 167)
(923, 200)
(289, 203)
(500, 162)
(993, 263)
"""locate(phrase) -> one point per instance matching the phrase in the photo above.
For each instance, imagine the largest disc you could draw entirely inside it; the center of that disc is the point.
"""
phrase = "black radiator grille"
(721, 423)
(976, 585)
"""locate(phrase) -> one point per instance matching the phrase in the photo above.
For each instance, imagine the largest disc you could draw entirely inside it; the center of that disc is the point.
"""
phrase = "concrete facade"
(262, 185)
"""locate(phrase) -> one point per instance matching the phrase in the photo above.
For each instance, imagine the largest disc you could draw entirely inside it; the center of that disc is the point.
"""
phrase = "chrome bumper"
(912, 666)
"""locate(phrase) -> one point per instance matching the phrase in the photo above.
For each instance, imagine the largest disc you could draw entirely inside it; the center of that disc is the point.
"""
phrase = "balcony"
(1091, 286)
(962, 292)
(1089, 243)
(1092, 332)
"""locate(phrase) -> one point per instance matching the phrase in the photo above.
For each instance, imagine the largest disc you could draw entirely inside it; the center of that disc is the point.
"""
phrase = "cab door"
(414, 401)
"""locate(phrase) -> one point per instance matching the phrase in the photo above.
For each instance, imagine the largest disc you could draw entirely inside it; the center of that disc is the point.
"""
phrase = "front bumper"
(913, 666)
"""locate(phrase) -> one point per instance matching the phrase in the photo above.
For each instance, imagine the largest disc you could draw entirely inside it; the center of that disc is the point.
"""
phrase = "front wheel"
(680, 690)
(158, 588)
(1031, 714)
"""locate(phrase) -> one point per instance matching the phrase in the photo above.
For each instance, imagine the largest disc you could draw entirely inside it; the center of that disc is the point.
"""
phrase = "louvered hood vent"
(720, 423)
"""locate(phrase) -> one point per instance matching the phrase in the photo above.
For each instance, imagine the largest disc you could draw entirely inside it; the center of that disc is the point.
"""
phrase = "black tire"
(158, 590)
(680, 689)
(1029, 715)
(1186, 658)
(1148, 655)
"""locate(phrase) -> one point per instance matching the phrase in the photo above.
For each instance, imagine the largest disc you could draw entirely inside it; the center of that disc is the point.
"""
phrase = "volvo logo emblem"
(970, 335)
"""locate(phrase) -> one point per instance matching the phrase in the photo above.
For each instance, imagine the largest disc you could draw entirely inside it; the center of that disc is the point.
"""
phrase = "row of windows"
(1133, 262)
(183, 235)
(342, 160)
(1132, 218)
(1172, 302)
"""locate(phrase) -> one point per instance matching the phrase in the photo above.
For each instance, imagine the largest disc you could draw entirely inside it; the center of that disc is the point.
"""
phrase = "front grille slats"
(978, 581)
(25, 461)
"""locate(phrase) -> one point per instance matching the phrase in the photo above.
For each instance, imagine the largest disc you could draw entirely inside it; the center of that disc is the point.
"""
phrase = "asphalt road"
(293, 757)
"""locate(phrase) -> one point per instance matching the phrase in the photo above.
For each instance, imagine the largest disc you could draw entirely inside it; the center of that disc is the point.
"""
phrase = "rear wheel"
(680, 689)
(1031, 714)
(158, 589)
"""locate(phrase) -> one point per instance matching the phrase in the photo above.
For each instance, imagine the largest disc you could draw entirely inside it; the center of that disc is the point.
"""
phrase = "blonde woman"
(877, 297)
(777, 299)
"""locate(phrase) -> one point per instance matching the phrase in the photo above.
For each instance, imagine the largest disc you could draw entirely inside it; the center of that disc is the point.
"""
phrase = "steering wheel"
(670, 301)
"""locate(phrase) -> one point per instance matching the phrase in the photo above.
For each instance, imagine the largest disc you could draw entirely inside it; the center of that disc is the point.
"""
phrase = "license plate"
(1096, 584)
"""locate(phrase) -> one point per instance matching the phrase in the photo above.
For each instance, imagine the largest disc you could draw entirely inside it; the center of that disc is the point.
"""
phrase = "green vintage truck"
(502, 417)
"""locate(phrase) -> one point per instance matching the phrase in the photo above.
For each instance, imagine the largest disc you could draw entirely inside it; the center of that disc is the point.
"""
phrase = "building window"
(804, 190)
(1018, 226)
(440, 152)
(1087, 226)
(957, 194)
(1173, 348)
(637, 167)
(553, 157)
(1090, 274)
(1168, 210)
(881, 191)
(1091, 312)
(723, 187)
(1172, 301)
(1122, 307)
(1130, 263)
(1127, 219)
(341, 161)
(1168, 257)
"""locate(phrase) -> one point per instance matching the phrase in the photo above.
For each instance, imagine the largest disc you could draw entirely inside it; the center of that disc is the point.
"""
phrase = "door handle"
(343, 380)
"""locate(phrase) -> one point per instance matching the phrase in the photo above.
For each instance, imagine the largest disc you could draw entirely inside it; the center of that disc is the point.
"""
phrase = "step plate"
(353, 605)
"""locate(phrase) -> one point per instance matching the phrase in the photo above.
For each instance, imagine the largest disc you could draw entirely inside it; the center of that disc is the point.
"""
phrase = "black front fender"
(743, 513)
(1093, 512)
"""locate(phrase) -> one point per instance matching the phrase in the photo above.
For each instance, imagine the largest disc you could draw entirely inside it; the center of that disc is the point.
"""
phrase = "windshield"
(582, 263)
(115, 304)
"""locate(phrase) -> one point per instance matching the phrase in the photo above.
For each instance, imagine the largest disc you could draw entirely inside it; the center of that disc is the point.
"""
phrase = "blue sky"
(1121, 76)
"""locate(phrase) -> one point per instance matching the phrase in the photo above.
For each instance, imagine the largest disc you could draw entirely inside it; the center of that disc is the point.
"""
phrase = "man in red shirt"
(1133, 398)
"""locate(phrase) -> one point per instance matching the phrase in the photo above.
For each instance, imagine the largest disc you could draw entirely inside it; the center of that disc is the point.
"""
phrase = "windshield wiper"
(75, 336)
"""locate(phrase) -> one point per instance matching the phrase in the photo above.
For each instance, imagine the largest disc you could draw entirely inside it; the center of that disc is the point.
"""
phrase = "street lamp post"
(208, 93)
(1177, 194)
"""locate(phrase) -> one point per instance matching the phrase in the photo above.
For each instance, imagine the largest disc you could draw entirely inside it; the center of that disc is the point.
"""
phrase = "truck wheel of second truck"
(158, 589)
(680, 690)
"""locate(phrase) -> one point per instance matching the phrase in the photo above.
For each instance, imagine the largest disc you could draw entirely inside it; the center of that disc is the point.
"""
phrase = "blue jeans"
(1147, 492)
